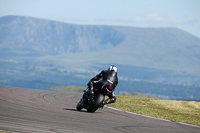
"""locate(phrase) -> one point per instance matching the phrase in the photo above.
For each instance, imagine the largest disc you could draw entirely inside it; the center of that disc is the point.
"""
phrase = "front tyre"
(79, 107)
(97, 103)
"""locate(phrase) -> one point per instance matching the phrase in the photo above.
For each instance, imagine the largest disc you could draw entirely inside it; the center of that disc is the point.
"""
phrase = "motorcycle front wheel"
(79, 107)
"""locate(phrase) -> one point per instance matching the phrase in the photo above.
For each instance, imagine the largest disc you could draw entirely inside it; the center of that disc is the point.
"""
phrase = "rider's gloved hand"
(91, 91)
(89, 83)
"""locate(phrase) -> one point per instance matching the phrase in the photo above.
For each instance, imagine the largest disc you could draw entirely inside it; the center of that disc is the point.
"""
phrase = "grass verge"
(78, 89)
(178, 111)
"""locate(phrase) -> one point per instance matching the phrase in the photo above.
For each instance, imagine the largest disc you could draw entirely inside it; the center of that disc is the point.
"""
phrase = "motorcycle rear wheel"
(97, 102)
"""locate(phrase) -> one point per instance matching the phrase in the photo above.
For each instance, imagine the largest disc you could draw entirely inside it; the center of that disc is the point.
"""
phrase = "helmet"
(112, 67)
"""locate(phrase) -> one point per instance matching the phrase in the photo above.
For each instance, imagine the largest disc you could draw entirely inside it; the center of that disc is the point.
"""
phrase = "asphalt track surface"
(38, 111)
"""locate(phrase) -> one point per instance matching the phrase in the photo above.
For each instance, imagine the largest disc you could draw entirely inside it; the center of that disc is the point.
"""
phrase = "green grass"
(69, 88)
(178, 111)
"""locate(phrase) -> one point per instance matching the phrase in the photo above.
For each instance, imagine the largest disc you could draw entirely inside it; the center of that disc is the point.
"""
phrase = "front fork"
(87, 98)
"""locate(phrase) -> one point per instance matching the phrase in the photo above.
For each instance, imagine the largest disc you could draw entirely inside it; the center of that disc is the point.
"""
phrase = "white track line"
(150, 116)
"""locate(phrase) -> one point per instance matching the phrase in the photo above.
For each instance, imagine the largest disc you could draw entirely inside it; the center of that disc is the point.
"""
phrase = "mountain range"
(32, 49)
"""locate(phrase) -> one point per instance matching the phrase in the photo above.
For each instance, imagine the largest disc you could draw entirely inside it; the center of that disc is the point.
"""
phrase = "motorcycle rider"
(105, 77)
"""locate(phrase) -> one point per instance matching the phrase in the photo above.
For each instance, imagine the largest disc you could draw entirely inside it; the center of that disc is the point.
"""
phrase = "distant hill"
(51, 37)
(162, 48)
(40, 53)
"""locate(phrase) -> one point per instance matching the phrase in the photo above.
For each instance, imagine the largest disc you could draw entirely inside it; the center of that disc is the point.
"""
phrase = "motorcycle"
(92, 102)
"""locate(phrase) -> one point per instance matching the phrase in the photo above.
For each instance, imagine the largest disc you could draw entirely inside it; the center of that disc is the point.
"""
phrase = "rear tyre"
(98, 101)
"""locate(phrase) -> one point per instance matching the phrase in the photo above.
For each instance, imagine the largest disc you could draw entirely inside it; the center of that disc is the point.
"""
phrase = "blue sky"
(183, 14)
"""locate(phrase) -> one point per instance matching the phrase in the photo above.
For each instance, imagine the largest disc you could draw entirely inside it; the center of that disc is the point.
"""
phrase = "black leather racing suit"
(105, 77)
